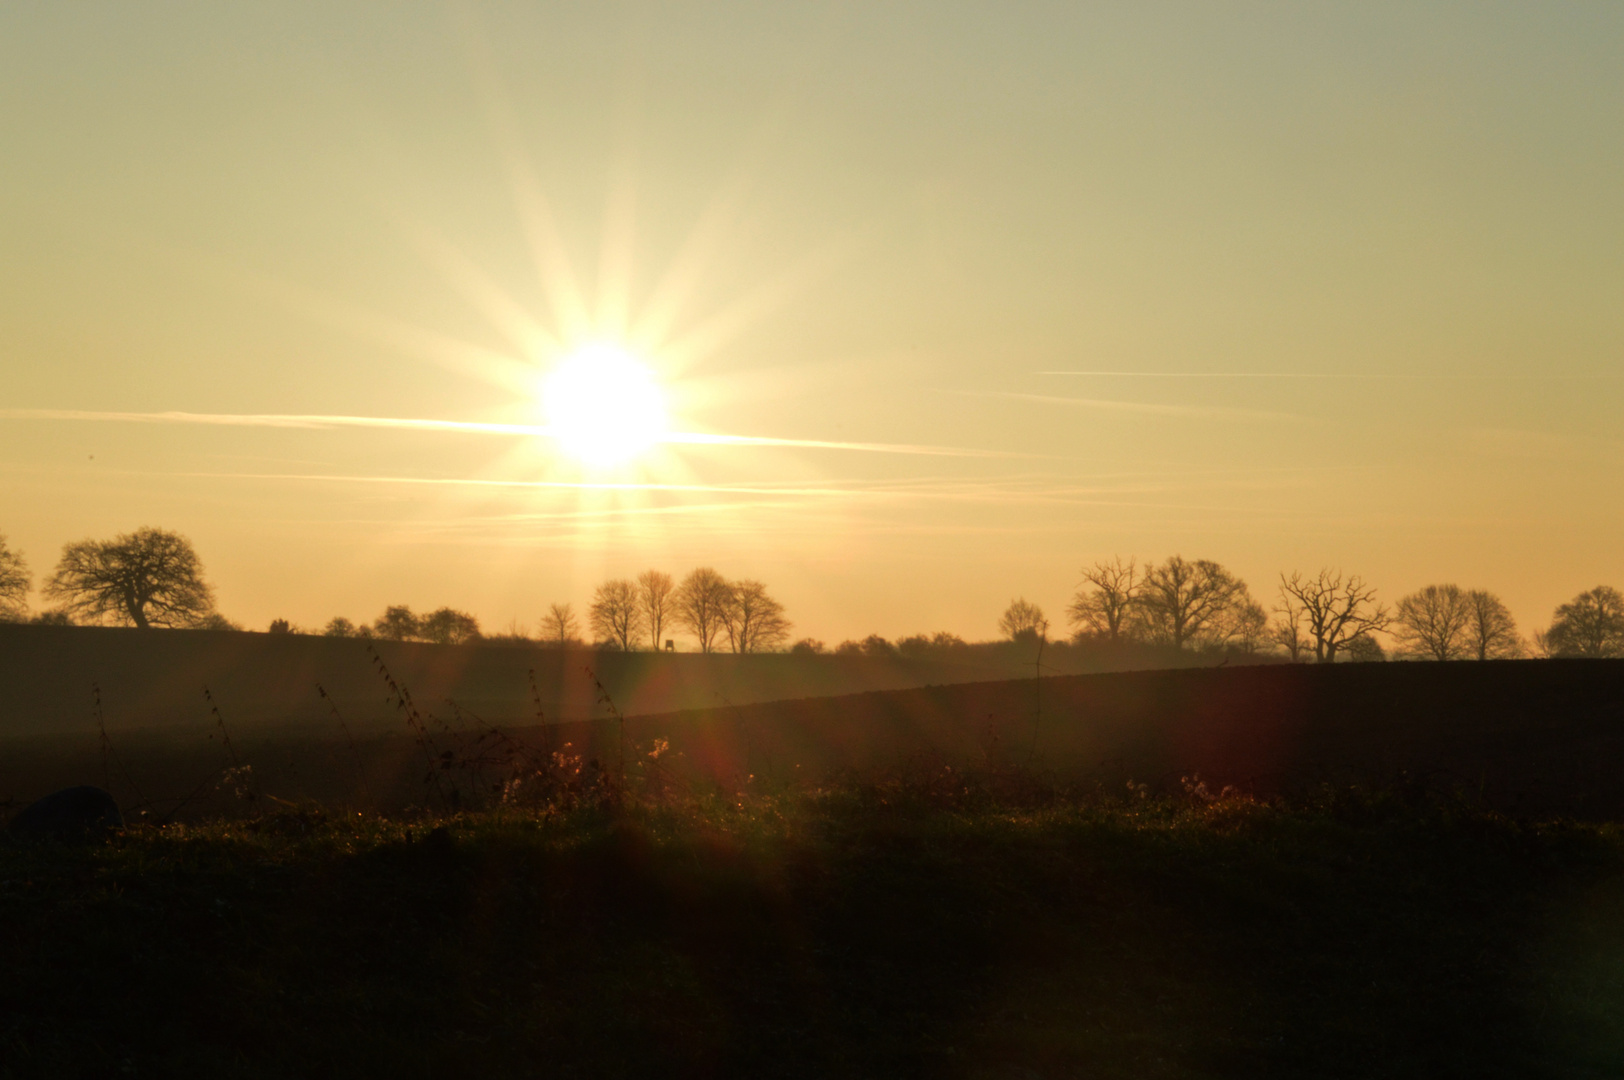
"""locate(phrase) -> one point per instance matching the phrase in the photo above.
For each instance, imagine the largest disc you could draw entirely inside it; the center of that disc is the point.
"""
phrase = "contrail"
(979, 493)
(317, 422)
(544, 485)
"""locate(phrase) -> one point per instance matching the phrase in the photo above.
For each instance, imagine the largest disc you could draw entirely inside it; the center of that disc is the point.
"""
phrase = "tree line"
(154, 578)
(711, 609)
(624, 614)
(1199, 604)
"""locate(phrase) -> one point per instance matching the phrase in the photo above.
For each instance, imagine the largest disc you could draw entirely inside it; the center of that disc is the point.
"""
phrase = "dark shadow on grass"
(872, 932)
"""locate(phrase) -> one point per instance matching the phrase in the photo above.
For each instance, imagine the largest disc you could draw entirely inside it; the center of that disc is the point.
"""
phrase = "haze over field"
(902, 309)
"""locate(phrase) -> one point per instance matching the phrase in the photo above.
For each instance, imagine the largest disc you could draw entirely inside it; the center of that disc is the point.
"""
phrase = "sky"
(974, 295)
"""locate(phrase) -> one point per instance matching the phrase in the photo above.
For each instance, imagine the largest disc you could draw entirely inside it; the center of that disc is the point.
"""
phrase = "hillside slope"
(155, 679)
(1545, 735)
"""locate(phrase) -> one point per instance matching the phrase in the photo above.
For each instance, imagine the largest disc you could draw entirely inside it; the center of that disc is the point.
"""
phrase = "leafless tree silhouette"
(1288, 630)
(699, 604)
(1591, 624)
(1491, 632)
(654, 590)
(616, 614)
(448, 626)
(1433, 622)
(753, 620)
(1336, 609)
(1179, 600)
(1244, 627)
(1023, 619)
(151, 577)
(1364, 649)
(15, 582)
(873, 645)
(397, 623)
(560, 626)
(1103, 605)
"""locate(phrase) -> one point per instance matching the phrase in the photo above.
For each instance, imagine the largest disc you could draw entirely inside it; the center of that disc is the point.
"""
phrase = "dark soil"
(932, 930)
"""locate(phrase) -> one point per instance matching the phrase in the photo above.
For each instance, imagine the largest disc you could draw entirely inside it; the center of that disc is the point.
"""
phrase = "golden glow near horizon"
(604, 406)
(903, 311)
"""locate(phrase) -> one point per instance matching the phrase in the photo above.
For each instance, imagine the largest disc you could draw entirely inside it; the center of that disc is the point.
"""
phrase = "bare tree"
(754, 621)
(1023, 619)
(15, 581)
(1365, 649)
(873, 645)
(1245, 627)
(1491, 632)
(1104, 602)
(1287, 629)
(448, 626)
(616, 614)
(560, 626)
(699, 603)
(1433, 621)
(654, 590)
(1591, 624)
(1336, 609)
(397, 623)
(730, 620)
(1180, 601)
(151, 577)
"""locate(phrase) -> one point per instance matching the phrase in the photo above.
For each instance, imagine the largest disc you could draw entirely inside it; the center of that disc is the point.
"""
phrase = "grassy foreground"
(877, 931)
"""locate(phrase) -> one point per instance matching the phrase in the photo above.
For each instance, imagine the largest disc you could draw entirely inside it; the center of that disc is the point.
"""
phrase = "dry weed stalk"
(239, 776)
(349, 740)
(402, 700)
(108, 754)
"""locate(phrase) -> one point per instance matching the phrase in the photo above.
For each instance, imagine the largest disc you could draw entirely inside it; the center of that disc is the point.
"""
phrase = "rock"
(75, 813)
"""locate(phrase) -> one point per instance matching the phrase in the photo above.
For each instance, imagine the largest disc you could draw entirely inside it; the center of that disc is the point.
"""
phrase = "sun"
(603, 405)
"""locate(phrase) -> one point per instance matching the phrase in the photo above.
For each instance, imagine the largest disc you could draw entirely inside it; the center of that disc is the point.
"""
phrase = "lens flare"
(604, 407)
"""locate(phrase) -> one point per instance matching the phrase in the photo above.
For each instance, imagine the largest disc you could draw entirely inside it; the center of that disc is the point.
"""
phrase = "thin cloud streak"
(318, 422)
(588, 516)
(1143, 407)
(976, 493)
(537, 485)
